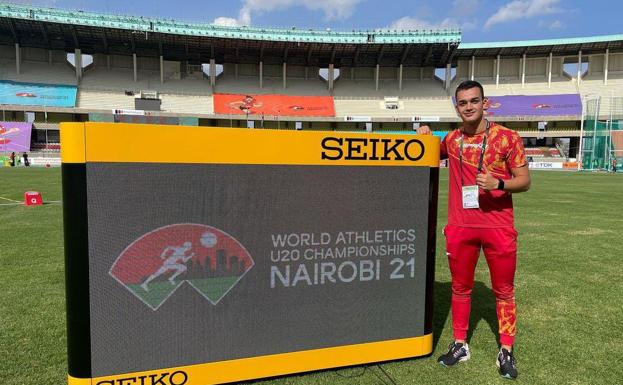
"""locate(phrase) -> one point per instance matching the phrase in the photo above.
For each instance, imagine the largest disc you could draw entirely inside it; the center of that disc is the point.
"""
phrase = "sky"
(479, 20)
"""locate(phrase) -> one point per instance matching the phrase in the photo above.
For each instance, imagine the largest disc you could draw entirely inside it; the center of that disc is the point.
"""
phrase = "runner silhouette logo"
(156, 264)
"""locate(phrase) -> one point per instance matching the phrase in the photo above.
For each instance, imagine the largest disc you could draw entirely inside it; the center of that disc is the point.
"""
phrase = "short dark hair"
(466, 85)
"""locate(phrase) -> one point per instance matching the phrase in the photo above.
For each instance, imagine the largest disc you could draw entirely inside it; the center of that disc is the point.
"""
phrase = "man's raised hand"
(424, 130)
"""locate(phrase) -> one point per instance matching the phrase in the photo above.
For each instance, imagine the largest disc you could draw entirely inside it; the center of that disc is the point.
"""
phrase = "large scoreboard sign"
(199, 255)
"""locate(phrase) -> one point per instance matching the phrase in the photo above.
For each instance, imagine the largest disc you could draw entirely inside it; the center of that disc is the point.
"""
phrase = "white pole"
(606, 58)
(595, 128)
(579, 66)
(580, 154)
(523, 70)
(473, 65)
(497, 72)
(549, 71)
(609, 137)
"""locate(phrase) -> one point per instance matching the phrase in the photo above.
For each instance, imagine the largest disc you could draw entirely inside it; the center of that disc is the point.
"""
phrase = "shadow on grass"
(483, 308)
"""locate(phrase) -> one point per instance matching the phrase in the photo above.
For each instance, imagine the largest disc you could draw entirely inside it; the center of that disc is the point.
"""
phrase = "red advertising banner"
(281, 105)
(617, 141)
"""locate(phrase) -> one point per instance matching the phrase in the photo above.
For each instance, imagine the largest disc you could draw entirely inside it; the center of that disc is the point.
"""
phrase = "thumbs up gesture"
(424, 130)
(486, 181)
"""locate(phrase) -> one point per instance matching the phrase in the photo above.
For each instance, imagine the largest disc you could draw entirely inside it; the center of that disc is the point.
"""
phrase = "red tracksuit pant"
(463, 246)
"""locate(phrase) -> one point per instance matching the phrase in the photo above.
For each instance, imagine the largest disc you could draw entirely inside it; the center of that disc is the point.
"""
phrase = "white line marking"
(10, 200)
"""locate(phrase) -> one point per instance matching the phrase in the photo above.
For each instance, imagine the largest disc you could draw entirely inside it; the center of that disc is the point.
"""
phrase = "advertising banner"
(533, 105)
(278, 105)
(36, 94)
(15, 136)
(546, 165)
(245, 254)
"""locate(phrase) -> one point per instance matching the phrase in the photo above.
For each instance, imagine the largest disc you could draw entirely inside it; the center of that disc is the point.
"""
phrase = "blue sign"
(37, 94)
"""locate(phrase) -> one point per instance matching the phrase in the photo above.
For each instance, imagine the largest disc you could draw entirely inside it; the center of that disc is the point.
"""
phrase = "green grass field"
(569, 286)
(213, 288)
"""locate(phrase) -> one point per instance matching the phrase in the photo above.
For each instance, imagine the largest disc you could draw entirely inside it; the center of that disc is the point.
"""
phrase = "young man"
(487, 164)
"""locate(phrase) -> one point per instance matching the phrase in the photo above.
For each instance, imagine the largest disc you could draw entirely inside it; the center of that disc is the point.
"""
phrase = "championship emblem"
(156, 264)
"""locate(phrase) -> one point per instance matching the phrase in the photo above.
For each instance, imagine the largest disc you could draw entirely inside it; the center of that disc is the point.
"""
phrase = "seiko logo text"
(371, 149)
(175, 378)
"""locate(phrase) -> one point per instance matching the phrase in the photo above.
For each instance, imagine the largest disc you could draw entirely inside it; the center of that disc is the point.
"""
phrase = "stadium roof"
(141, 24)
(559, 47)
(101, 33)
(197, 43)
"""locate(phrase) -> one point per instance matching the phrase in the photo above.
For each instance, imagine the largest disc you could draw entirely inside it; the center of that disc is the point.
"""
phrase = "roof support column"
(306, 72)
(212, 73)
(284, 70)
(161, 70)
(18, 58)
(421, 73)
(523, 70)
(497, 72)
(50, 57)
(376, 77)
(473, 67)
(330, 77)
(549, 70)
(134, 65)
(400, 77)
(236, 70)
(448, 75)
(261, 74)
(107, 61)
(579, 67)
(78, 64)
(606, 57)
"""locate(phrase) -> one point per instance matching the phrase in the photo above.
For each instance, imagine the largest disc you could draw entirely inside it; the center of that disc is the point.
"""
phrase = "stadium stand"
(388, 78)
(119, 79)
(174, 103)
(101, 100)
(45, 147)
(535, 82)
(541, 152)
(350, 106)
(184, 104)
(36, 66)
(32, 72)
(230, 84)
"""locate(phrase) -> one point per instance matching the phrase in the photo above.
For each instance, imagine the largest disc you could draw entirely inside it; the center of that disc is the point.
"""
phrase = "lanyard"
(482, 151)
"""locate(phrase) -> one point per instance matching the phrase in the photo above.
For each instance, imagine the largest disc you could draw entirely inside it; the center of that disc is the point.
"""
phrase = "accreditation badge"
(470, 197)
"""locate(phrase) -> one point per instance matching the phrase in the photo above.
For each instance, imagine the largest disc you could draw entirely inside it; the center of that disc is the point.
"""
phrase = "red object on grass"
(32, 198)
